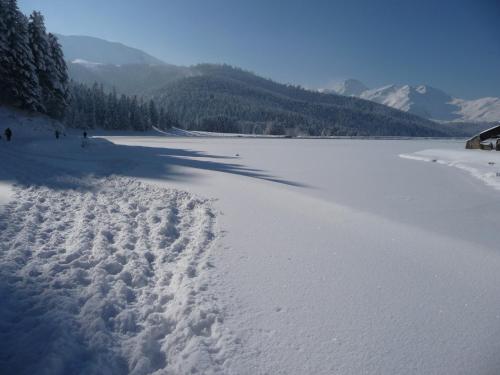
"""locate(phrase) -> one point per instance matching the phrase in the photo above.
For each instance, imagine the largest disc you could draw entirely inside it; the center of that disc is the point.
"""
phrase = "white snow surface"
(105, 278)
(316, 257)
(340, 257)
(88, 64)
(484, 165)
(101, 273)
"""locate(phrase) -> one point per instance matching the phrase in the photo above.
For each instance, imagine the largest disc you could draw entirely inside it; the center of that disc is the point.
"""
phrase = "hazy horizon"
(451, 45)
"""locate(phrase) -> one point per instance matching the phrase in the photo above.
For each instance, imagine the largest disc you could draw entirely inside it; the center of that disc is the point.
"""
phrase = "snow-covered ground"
(341, 257)
(481, 164)
(106, 276)
(247, 256)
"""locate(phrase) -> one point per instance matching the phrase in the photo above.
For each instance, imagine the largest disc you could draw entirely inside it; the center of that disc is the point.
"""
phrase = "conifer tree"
(153, 113)
(22, 80)
(43, 63)
(4, 54)
(59, 76)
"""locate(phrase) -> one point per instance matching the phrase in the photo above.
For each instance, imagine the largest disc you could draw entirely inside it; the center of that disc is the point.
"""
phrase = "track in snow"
(109, 277)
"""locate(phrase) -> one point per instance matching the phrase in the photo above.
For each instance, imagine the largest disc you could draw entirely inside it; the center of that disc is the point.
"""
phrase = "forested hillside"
(227, 99)
(222, 98)
(242, 101)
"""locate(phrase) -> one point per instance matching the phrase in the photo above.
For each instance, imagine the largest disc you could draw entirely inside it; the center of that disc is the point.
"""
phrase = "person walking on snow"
(8, 134)
(84, 140)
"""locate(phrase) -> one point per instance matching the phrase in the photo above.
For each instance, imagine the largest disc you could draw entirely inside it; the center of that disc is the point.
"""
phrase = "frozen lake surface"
(345, 258)
(312, 256)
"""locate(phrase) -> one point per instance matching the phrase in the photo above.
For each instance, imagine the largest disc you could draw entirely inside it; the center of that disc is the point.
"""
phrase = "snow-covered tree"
(22, 80)
(33, 74)
(153, 113)
(4, 53)
(59, 76)
(44, 65)
(92, 107)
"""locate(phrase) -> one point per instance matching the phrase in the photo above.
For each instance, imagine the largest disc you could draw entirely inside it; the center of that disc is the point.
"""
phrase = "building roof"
(493, 132)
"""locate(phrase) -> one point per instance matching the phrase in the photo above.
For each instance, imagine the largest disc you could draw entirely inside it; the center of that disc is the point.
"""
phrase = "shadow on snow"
(28, 164)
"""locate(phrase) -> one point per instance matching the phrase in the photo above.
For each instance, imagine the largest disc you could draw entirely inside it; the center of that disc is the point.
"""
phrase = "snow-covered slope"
(484, 109)
(27, 125)
(425, 101)
(349, 87)
(421, 100)
(96, 50)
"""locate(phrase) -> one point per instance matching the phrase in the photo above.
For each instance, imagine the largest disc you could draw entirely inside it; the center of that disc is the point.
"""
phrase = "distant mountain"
(425, 101)
(224, 98)
(130, 79)
(350, 87)
(90, 50)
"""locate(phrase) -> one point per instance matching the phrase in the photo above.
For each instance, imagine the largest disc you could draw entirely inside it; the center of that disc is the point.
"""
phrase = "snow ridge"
(108, 277)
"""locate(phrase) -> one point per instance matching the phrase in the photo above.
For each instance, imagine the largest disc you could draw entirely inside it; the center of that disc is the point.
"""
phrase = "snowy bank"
(484, 165)
(27, 125)
(101, 273)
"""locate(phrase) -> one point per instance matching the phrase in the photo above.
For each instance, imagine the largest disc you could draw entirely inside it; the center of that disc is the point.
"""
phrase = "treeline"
(92, 107)
(33, 73)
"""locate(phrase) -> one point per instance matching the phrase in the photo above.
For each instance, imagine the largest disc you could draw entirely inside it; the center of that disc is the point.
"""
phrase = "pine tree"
(4, 54)
(22, 80)
(134, 117)
(124, 112)
(60, 79)
(153, 114)
(43, 62)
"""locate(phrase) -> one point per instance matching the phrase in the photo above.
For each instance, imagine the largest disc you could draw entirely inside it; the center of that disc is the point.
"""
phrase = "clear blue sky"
(450, 44)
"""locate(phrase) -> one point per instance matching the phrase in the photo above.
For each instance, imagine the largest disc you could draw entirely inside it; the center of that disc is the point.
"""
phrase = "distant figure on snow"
(57, 134)
(84, 140)
(8, 134)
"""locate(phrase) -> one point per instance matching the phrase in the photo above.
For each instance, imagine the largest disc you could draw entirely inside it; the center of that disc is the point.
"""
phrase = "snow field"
(109, 277)
(363, 263)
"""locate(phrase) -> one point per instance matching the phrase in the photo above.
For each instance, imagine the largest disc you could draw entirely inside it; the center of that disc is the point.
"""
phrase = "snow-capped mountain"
(90, 50)
(350, 87)
(425, 101)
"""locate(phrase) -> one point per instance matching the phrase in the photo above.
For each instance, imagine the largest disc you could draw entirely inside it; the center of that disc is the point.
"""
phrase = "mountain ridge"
(425, 101)
(101, 51)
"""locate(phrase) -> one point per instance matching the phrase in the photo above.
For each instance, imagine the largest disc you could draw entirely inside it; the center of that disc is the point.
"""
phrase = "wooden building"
(484, 139)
